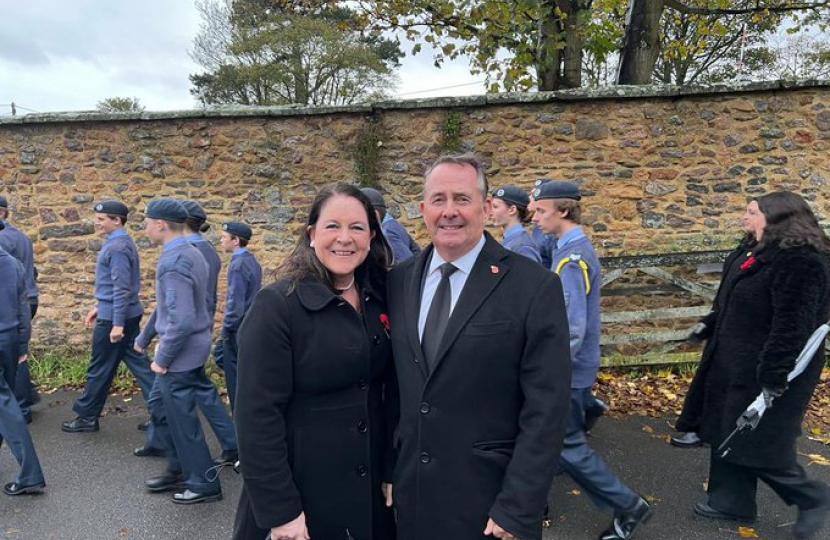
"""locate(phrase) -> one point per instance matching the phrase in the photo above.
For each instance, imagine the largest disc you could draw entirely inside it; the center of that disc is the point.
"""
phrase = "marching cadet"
(182, 323)
(403, 246)
(19, 246)
(545, 243)
(511, 214)
(208, 398)
(15, 325)
(557, 212)
(244, 280)
(116, 318)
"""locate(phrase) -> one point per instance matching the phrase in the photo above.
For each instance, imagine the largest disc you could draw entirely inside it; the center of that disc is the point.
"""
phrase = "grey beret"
(512, 195)
(116, 208)
(166, 209)
(194, 210)
(374, 196)
(237, 228)
(557, 189)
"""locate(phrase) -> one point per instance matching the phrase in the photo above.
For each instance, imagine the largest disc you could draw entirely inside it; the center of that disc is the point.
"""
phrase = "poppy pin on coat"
(494, 269)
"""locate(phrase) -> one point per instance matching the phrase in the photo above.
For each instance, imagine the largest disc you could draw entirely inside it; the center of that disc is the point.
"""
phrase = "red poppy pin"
(494, 269)
(749, 262)
(384, 320)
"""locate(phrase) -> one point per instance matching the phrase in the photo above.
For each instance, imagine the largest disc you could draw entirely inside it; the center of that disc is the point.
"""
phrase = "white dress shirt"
(464, 264)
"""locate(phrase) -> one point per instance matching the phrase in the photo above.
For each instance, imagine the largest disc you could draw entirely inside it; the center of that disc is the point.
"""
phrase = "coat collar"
(486, 273)
(314, 295)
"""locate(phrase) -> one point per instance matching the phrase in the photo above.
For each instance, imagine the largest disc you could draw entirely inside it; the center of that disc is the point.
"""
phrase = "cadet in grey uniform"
(182, 322)
(115, 318)
(510, 213)
(403, 246)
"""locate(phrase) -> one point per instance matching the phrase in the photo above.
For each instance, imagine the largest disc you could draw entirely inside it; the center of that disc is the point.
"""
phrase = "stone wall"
(663, 169)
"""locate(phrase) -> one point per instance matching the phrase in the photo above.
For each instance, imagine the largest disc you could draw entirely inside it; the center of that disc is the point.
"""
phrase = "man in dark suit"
(480, 340)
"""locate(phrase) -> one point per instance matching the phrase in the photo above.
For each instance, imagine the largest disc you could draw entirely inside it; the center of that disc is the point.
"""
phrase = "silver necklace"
(347, 287)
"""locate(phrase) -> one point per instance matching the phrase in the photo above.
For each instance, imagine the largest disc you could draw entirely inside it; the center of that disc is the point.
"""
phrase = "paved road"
(95, 492)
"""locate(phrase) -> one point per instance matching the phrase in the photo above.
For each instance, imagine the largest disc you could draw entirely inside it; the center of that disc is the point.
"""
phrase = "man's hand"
(22, 358)
(493, 529)
(696, 333)
(89, 321)
(116, 334)
(387, 493)
(157, 368)
(138, 348)
(293, 530)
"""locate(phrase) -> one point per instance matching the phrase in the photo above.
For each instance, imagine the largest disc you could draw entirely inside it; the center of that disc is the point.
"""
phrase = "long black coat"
(481, 434)
(764, 314)
(311, 414)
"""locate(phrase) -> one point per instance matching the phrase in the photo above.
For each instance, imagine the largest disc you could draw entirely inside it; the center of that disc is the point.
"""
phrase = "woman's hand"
(293, 530)
(387, 493)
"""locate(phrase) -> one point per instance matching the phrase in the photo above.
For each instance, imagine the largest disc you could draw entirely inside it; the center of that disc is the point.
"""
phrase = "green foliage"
(451, 132)
(366, 152)
(119, 104)
(259, 52)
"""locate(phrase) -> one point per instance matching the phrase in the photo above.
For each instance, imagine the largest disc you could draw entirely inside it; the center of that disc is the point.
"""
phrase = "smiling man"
(480, 340)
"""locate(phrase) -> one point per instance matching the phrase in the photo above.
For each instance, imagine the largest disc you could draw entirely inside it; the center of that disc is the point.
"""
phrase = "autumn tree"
(260, 52)
(119, 104)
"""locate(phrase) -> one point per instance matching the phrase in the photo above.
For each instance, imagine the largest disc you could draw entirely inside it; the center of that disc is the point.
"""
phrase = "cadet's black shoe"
(144, 426)
(228, 457)
(165, 482)
(80, 425)
(703, 509)
(148, 451)
(191, 497)
(593, 414)
(811, 521)
(686, 440)
(626, 523)
(14, 489)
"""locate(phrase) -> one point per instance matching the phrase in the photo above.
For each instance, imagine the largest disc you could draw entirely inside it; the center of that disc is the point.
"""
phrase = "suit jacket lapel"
(413, 306)
(487, 272)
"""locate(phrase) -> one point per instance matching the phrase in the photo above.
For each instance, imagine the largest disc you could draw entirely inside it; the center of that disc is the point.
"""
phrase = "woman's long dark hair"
(790, 223)
(303, 263)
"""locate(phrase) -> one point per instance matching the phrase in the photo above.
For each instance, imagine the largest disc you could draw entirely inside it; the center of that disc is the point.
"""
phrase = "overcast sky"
(63, 55)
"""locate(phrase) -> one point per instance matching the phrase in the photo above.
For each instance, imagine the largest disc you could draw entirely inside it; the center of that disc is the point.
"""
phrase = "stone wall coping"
(573, 95)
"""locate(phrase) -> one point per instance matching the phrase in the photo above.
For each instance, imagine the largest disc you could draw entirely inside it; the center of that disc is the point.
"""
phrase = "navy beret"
(557, 189)
(166, 209)
(3, 202)
(512, 195)
(237, 228)
(194, 210)
(116, 208)
(541, 182)
(374, 196)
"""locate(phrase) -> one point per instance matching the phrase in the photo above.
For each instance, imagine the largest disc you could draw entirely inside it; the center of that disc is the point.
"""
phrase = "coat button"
(363, 384)
(361, 427)
(425, 457)
(416, 359)
(424, 407)
(362, 470)
(376, 339)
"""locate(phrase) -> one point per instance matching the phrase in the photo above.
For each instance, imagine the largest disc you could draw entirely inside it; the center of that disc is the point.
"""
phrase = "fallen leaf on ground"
(747, 532)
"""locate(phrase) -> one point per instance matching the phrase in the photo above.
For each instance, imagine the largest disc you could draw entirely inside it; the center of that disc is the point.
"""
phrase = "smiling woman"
(316, 384)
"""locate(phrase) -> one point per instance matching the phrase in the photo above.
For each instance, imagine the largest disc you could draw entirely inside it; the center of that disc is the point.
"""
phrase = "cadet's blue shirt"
(583, 310)
(118, 279)
(214, 267)
(19, 246)
(14, 306)
(517, 240)
(545, 244)
(181, 317)
(403, 246)
(244, 280)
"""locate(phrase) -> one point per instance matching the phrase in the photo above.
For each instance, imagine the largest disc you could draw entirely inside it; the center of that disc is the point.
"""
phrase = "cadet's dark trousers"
(209, 402)
(732, 487)
(178, 425)
(225, 358)
(104, 364)
(24, 390)
(12, 425)
(586, 468)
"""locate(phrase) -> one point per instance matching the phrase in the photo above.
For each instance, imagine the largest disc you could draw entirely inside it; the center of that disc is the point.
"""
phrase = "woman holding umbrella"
(763, 315)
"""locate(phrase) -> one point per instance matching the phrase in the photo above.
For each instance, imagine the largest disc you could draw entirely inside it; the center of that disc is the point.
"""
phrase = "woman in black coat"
(315, 384)
(775, 293)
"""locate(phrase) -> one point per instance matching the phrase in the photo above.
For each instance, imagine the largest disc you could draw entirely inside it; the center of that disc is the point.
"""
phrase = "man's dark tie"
(439, 314)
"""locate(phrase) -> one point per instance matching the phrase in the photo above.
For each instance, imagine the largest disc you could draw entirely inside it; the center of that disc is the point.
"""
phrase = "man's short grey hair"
(463, 159)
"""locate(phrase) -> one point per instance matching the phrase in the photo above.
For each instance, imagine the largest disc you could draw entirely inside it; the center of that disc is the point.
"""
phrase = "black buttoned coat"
(480, 434)
(311, 413)
(765, 311)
